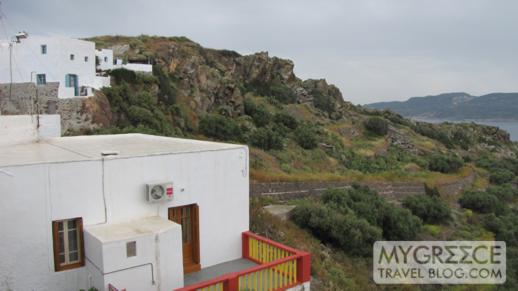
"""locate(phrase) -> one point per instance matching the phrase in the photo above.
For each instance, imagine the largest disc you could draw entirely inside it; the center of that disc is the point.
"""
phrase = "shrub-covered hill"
(304, 130)
(297, 129)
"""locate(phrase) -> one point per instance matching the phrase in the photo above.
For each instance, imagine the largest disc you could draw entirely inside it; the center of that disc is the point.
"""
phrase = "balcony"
(265, 266)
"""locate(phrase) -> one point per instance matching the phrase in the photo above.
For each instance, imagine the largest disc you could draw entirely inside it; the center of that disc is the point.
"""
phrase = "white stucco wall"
(143, 68)
(55, 64)
(35, 195)
(105, 59)
(16, 129)
(156, 266)
(214, 180)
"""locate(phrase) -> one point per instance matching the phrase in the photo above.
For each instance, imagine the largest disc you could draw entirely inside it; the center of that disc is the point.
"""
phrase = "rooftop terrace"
(83, 148)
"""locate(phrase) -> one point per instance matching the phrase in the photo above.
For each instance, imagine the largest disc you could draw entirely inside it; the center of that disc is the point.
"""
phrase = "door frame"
(75, 84)
(195, 232)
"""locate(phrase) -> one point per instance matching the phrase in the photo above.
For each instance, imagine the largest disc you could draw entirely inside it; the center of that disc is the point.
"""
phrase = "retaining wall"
(291, 190)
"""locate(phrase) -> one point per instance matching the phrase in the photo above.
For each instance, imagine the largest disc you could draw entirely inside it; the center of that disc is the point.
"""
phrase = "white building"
(41, 59)
(104, 60)
(81, 212)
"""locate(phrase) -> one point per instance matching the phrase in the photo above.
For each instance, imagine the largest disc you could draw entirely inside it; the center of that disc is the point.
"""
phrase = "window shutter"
(196, 233)
(56, 245)
(81, 241)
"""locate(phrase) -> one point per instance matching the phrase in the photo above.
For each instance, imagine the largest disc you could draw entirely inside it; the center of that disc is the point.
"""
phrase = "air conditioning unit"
(157, 192)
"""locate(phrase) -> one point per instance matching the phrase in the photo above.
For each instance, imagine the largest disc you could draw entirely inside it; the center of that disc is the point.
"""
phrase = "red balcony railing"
(280, 267)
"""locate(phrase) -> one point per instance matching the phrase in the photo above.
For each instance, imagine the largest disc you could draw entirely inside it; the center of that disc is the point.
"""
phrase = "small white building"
(134, 212)
(104, 60)
(42, 59)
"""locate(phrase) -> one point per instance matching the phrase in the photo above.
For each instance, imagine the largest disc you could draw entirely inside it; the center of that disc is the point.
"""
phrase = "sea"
(509, 126)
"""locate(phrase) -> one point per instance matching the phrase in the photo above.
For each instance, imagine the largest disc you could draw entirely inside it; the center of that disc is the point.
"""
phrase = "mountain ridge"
(456, 106)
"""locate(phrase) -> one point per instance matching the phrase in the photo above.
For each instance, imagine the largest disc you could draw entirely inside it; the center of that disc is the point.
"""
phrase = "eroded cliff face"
(206, 79)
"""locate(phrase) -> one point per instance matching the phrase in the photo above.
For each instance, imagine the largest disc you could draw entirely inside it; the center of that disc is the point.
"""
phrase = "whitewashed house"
(42, 59)
(130, 212)
(105, 60)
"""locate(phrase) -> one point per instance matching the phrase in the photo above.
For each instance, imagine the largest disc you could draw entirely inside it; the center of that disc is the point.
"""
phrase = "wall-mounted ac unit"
(157, 192)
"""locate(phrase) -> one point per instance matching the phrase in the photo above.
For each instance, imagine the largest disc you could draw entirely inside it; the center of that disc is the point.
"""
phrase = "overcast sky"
(373, 50)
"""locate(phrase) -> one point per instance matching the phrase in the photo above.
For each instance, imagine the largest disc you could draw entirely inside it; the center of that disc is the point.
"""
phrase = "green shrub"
(396, 223)
(501, 176)
(462, 139)
(139, 115)
(282, 93)
(167, 90)
(395, 117)
(434, 132)
(266, 139)
(491, 163)
(376, 125)
(306, 135)
(259, 113)
(445, 164)
(286, 120)
(429, 209)
(504, 193)
(120, 75)
(142, 99)
(399, 224)
(275, 89)
(324, 102)
(220, 127)
(355, 236)
(434, 230)
(481, 202)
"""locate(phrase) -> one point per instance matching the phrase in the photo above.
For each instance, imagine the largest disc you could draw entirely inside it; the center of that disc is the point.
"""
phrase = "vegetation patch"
(354, 219)
(376, 125)
(431, 209)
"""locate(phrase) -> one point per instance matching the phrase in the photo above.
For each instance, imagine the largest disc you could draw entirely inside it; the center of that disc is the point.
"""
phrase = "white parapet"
(19, 129)
(142, 68)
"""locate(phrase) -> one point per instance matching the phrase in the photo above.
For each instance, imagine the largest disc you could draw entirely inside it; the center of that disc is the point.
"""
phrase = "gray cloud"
(372, 49)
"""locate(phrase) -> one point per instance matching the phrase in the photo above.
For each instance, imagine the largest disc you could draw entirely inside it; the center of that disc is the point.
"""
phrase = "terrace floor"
(217, 270)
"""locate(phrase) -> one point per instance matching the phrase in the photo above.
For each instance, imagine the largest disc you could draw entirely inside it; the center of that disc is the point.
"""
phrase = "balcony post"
(231, 284)
(245, 245)
(304, 267)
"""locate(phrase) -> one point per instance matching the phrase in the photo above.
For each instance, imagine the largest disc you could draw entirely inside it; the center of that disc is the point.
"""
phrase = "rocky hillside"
(297, 129)
(206, 79)
(457, 106)
(302, 134)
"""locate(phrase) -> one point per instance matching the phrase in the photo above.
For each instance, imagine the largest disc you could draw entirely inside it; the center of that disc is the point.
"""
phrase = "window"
(131, 249)
(43, 49)
(86, 59)
(72, 57)
(105, 59)
(41, 79)
(68, 244)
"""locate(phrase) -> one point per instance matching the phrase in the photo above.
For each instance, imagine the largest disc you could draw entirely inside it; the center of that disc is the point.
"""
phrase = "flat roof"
(131, 229)
(84, 148)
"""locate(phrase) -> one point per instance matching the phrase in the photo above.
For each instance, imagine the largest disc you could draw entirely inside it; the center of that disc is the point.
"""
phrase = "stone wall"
(456, 187)
(78, 115)
(27, 98)
(291, 190)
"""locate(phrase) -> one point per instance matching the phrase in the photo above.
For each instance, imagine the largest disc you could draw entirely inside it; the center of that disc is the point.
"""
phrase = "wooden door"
(187, 217)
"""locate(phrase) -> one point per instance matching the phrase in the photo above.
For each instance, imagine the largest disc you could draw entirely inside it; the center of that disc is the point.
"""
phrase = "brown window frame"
(56, 243)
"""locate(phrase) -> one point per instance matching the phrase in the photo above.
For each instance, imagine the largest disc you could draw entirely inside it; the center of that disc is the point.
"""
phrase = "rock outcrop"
(207, 79)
